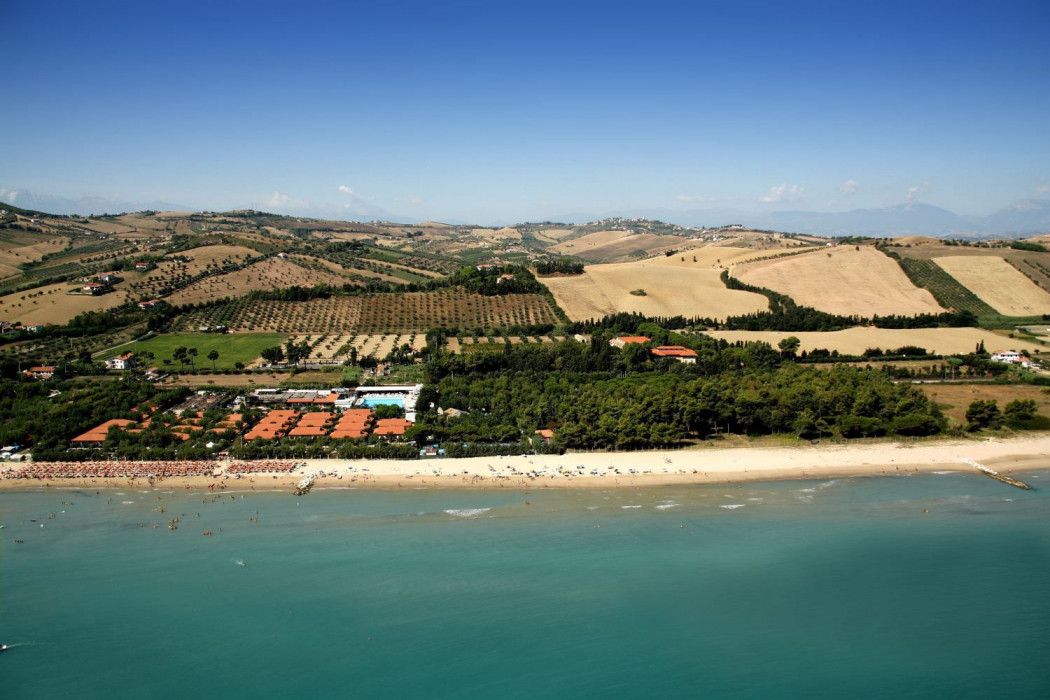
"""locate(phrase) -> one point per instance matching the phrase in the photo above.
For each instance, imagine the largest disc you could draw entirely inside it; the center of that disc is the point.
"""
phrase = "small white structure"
(124, 361)
(1010, 357)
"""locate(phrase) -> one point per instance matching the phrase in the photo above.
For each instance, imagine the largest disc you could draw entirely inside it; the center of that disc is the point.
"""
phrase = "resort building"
(98, 433)
(391, 426)
(403, 395)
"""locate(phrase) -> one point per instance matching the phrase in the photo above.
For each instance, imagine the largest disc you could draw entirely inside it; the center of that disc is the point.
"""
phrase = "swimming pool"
(373, 401)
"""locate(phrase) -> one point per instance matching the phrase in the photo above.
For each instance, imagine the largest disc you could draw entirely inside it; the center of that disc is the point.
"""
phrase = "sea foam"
(467, 512)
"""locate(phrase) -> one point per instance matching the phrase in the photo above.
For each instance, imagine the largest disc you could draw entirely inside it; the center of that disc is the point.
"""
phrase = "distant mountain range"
(83, 206)
(1023, 218)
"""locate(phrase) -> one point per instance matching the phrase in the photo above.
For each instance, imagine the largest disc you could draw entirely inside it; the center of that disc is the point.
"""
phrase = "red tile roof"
(674, 351)
(391, 426)
(98, 433)
(308, 431)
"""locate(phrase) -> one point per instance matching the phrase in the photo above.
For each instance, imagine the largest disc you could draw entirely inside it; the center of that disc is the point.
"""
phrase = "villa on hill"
(124, 361)
(682, 354)
(623, 340)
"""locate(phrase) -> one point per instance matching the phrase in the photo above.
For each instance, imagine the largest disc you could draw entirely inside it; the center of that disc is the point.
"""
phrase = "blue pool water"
(374, 401)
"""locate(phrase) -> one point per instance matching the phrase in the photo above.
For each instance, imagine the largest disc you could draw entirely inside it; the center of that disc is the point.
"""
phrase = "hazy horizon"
(482, 113)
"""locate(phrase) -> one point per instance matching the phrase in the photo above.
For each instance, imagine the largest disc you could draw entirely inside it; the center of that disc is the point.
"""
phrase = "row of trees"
(559, 266)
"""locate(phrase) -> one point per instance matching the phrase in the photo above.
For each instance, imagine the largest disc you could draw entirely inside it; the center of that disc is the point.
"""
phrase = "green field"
(232, 347)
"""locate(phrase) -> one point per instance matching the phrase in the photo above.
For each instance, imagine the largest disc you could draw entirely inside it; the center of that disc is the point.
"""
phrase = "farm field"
(854, 341)
(956, 398)
(842, 280)
(266, 274)
(673, 285)
(375, 313)
(997, 283)
(15, 252)
(556, 233)
(53, 304)
(146, 285)
(612, 245)
(232, 348)
(502, 234)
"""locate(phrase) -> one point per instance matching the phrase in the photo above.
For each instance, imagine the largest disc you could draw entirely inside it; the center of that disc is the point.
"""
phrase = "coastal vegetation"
(595, 397)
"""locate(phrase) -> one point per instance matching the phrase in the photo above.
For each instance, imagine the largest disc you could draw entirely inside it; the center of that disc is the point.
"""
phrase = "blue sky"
(527, 110)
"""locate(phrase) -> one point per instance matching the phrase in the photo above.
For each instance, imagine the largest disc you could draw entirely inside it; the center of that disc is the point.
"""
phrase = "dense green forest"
(595, 397)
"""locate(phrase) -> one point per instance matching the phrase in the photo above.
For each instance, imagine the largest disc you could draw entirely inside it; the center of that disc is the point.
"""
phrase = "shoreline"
(600, 470)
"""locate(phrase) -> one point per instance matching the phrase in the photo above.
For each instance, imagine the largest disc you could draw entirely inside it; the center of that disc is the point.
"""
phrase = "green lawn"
(232, 347)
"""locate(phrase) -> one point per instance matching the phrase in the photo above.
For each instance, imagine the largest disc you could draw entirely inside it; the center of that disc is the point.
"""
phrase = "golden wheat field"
(842, 280)
(997, 283)
(556, 233)
(686, 284)
(11, 256)
(53, 304)
(854, 341)
(607, 245)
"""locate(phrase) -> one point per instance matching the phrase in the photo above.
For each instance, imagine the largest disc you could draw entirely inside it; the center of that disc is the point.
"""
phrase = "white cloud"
(346, 190)
(694, 198)
(415, 200)
(9, 195)
(280, 200)
(1039, 191)
(784, 193)
(849, 187)
(914, 191)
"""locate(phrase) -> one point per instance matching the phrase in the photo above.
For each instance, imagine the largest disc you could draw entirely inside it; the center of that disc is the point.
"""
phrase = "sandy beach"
(606, 470)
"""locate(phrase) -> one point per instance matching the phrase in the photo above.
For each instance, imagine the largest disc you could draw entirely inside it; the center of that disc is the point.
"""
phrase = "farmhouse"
(93, 288)
(144, 305)
(17, 326)
(42, 372)
(623, 340)
(143, 266)
(1009, 357)
(124, 361)
(682, 354)
(545, 436)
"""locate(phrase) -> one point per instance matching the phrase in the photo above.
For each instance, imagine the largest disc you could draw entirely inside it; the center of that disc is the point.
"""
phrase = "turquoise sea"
(841, 588)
